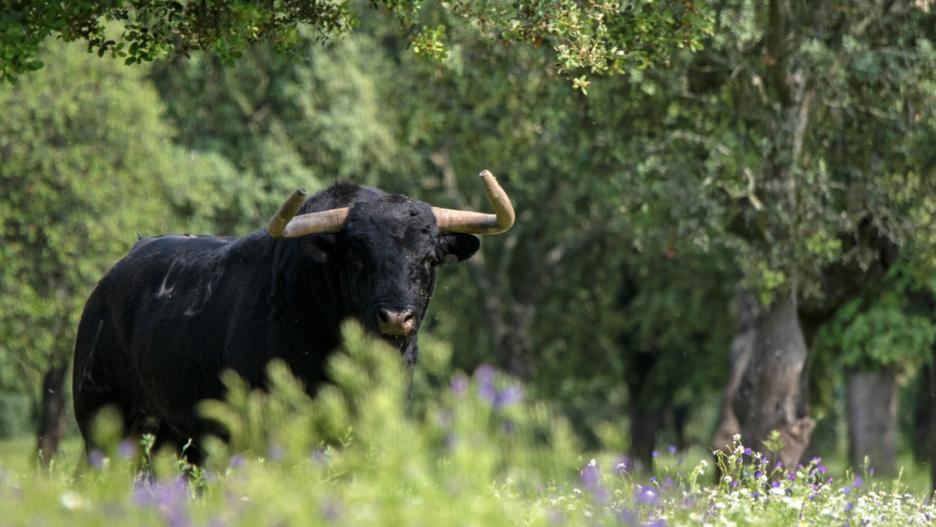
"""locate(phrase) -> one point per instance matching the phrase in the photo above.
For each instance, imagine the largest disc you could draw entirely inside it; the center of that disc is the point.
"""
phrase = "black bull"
(177, 311)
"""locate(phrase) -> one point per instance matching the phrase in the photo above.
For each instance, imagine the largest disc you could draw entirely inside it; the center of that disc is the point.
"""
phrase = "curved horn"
(470, 222)
(285, 223)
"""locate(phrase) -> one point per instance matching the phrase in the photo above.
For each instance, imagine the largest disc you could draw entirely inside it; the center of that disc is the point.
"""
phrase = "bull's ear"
(454, 247)
(320, 247)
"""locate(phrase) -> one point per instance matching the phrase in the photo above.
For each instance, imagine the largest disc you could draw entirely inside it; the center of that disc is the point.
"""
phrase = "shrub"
(15, 415)
(373, 449)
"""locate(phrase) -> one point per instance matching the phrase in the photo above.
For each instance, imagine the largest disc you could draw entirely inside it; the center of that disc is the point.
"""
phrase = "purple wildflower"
(775, 484)
(748, 451)
(646, 495)
(755, 495)
(849, 506)
(488, 390)
(627, 517)
(859, 481)
(671, 449)
(127, 449)
(96, 459)
(511, 395)
(758, 474)
(822, 469)
(276, 452)
(590, 476)
(591, 480)
(237, 461)
(791, 476)
(168, 498)
(655, 453)
(459, 384)
(485, 376)
(622, 465)
(659, 522)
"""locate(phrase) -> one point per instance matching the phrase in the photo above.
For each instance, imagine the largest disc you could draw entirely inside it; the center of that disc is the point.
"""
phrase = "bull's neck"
(315, 301)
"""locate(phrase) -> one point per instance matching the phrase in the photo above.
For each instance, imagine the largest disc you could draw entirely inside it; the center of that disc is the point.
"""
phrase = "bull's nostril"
(409, 316)
(384, 315)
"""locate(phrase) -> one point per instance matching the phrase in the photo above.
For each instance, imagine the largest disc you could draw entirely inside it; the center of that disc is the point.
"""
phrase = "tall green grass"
(379, 448)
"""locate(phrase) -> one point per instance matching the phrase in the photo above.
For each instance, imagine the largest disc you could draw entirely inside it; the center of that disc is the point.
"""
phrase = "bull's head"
(387, 248)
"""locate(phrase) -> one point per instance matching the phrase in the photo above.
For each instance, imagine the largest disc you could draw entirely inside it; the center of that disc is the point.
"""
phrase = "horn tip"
(486, 173)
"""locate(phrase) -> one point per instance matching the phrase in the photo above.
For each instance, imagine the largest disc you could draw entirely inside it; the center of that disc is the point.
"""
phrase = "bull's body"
(177, 311)
(173, 314)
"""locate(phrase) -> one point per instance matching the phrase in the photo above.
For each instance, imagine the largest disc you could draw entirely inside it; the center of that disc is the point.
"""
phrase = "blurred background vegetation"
(711, 224)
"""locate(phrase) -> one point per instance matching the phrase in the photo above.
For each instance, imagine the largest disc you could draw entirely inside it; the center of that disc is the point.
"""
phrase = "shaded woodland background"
(735, 238)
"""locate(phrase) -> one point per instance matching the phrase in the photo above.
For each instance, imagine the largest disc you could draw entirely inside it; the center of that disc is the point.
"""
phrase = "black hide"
(168, 318)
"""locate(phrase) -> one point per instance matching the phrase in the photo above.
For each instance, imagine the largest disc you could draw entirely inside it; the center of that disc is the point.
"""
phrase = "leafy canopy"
(88, 166)
(600, 36)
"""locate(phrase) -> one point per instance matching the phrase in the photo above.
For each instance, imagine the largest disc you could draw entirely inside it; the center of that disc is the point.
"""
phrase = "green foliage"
(466, 459)
(679, 176)
(88, 166)
(602, 37)
(893, 327)
(680, 323)
(800, 142)
(361, 423)
(72, 165)
(281, 123)
(152, 30)
(15, 414)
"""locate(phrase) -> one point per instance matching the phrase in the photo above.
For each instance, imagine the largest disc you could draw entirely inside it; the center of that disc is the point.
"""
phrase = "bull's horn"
(470, 222)
(285, 223)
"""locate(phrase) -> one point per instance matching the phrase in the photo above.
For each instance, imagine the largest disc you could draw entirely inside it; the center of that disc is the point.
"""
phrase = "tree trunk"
(931, 436)
(516, 344)
(741, 348)
(680, 415)
(51, 413)
(872, 419)
(644, 425)
(922, 405)
(767, 398)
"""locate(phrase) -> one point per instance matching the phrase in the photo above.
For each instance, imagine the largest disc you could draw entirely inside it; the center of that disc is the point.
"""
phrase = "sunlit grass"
(17, 455)
(465, 450)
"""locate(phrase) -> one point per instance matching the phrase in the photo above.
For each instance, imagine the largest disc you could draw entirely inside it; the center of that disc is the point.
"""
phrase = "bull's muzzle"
(396, 323)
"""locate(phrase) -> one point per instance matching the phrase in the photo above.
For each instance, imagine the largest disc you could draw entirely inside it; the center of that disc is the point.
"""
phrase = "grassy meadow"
(454, 450)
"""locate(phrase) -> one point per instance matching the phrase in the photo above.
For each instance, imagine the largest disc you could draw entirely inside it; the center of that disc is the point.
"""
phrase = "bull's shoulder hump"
(180, 242)
(340, 194)
(158, 251)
